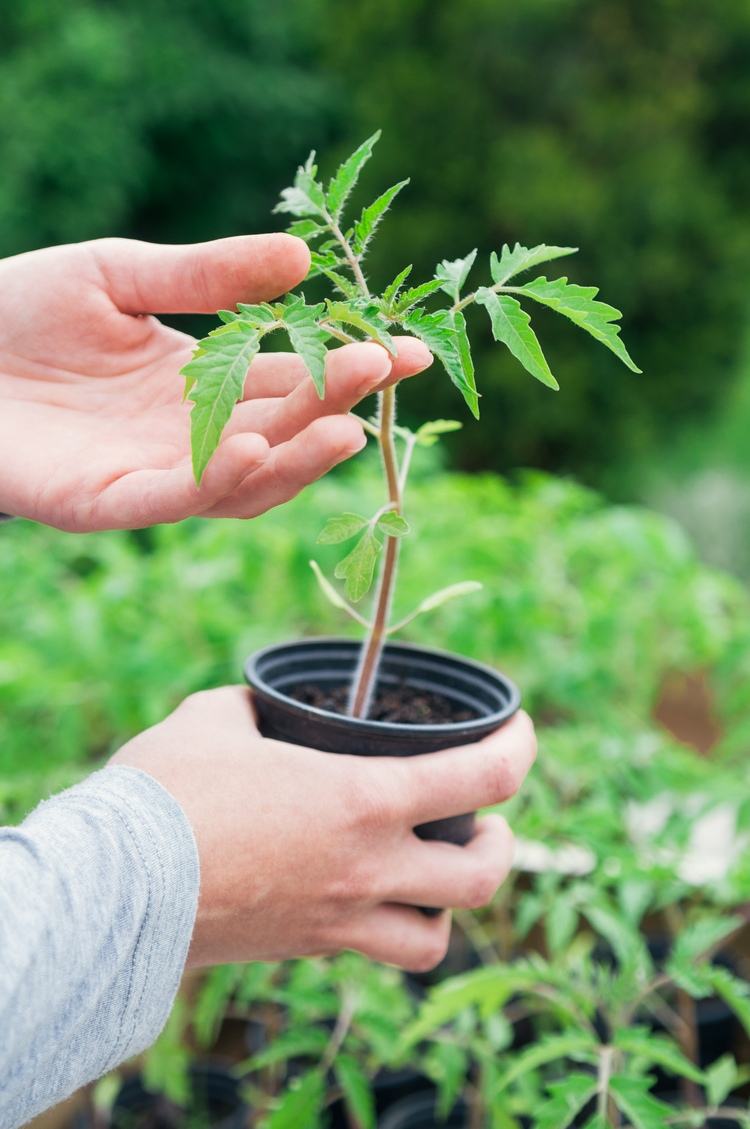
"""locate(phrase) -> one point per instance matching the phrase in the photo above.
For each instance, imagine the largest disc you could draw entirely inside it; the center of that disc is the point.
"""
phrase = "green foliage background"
(611, 124)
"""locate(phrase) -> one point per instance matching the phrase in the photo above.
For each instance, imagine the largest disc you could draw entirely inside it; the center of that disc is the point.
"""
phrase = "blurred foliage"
(612, 124)
(588, 607)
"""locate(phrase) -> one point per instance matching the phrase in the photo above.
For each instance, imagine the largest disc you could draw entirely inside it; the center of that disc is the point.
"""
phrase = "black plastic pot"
(215, 1103)
(275, 672)
(419, 1112)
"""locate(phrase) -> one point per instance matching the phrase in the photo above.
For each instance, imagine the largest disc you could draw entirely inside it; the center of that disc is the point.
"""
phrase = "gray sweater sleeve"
(98, 895)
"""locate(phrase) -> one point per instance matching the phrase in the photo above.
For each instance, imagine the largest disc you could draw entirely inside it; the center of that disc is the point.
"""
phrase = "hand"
(92, 428)
(304, 852)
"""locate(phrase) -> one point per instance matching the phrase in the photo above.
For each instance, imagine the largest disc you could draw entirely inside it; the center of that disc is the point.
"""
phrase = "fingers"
(152, 278)
(400, 935)
(153, 497)
(443, 875)
(438, 785)
(352, 372)
(292, 466)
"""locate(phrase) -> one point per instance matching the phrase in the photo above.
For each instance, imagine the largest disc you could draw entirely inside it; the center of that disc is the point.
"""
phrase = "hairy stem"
(372, 649)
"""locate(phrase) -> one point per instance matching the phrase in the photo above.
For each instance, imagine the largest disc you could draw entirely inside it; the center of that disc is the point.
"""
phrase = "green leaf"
(357, 1091)
(306, 197)
(428, 434)
(567, 1099)
(721, 1077)
(632, 1097)
(341, 528)
(447, 1065)
(306, 1043)
(358, 568)
(452, 273)
(366, 322)
(306, 229)
(346, 177)
(734, 992)
(307, 338)
(364, 228)
(415, 294)
(442, 333)
(695, 940)
(393, 524)
(550, 1048)
(328, 590)
(300, 1106)
(578, 303)
(393, 288)
(657, 1050)
(512, 326)
(521, 258)
(444, 595)
(341, 282)
(215, 378)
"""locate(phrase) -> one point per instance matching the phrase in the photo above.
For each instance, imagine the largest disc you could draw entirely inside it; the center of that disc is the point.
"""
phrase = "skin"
(311, 853)
(93, 376)
(301, 852)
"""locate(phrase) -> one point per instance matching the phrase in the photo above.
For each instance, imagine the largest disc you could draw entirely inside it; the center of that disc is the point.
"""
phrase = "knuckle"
(373, 800)
(356, 885)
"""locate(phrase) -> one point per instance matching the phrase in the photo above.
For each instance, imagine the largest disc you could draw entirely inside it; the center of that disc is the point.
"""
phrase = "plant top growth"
(433, 311)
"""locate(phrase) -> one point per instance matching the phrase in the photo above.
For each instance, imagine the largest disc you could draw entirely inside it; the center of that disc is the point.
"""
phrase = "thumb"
(198, 278)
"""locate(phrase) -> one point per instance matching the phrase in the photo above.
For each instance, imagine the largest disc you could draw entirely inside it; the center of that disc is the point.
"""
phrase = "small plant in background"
(216, 375)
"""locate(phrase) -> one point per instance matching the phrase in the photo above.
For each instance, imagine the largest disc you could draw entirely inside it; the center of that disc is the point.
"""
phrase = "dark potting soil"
(402, 705)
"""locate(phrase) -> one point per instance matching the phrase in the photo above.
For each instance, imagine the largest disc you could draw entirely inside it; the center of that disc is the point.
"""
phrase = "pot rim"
(484, 723)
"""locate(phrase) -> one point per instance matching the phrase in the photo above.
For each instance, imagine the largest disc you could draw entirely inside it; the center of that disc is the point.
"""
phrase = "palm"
(92, 397)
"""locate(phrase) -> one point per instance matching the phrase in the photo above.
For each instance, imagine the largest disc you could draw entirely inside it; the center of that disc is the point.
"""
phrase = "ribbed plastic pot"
(275, 672)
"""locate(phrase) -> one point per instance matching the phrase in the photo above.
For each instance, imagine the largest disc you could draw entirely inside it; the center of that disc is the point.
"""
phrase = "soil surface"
(402, 705)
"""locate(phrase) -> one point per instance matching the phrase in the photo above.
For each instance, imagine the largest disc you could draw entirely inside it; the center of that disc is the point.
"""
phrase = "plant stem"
(602, 1082)
(372, 649)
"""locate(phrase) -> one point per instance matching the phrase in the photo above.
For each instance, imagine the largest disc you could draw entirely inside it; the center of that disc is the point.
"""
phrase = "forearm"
(98, 894)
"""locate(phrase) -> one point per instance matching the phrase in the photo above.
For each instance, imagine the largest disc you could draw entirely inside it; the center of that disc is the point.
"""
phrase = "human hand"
(303, 852)
(92, 428)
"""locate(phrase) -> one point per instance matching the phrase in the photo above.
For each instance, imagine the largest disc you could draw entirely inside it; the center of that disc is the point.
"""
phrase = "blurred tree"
(162, 120)
(613, 124)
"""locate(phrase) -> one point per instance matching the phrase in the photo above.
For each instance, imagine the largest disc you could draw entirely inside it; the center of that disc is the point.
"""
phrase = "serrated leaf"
(416, 294)
(734, 992)
(365, 227)
(452, 273)
(578, 303)
(357, 1091)
(358, 568)
(300, 1106)
(657, 1050)
(341, 528)
(441, 333)
(521, 258)
(632, 1097)
(696, 939)
(307, 338)
(567, 1099)
(367, 323)
(306, 196)
(306, 229)
(512, 326)
(347, 175)
(341, 282)
(393, 288)
(428, 434)
(215, 378)
(393, 524)
(550, 1048)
